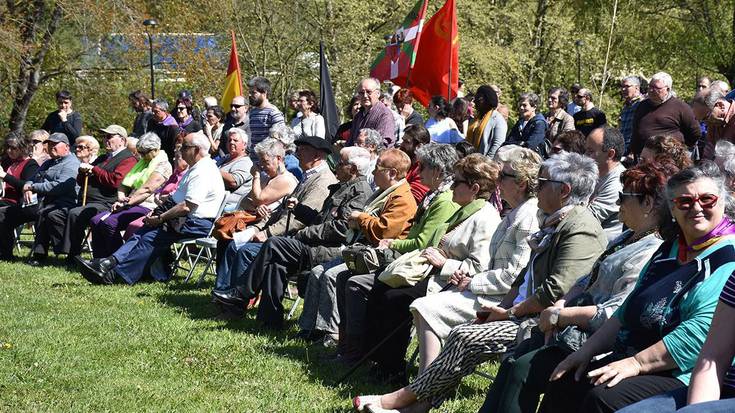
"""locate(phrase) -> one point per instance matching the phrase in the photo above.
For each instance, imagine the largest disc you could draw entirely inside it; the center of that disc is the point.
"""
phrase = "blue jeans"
(234, 264)
(149, 243)
(676, 401)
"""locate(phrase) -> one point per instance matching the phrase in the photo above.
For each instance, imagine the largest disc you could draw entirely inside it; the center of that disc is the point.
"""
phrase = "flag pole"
(451, 47)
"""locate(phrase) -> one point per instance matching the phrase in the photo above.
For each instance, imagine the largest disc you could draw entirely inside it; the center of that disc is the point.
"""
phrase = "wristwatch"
(511, 315)
(554, 317)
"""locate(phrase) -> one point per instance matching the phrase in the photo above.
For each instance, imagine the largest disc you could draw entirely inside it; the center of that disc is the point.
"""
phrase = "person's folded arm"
(154, 181)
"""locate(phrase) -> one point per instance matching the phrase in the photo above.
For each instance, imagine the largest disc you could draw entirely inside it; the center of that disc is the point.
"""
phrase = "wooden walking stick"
(84, 194)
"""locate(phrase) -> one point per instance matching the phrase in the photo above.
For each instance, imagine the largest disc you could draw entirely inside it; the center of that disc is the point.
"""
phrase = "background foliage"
(519, 45)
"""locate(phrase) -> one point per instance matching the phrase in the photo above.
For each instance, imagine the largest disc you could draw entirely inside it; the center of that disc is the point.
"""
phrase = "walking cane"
(383, 341)
(84, 194)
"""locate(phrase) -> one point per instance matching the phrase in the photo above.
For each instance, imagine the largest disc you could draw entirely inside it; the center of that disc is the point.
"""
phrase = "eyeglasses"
(236, 106)
(180, 108)
(366, 92)
(187, 146)
(35, 141)
(581, 96)
(622, 196)
(543, 181)
(652, 87)
(504, 174)
(686, 202)
(82, 147)
(110, 136)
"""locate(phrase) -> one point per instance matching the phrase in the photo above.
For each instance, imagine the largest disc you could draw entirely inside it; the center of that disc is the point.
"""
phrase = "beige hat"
(115, 130)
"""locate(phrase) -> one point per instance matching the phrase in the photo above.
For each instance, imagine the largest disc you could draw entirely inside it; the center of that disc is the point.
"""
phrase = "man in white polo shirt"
(189, 214)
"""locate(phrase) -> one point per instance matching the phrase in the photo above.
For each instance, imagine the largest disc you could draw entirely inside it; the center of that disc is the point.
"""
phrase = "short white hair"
(241, 133)
(665, 78)
(359, 157)
(200, 140)
(210, 101)
(720, 85)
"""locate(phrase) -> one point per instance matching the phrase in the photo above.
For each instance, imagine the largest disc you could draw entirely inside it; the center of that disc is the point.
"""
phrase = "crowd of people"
(596, 263)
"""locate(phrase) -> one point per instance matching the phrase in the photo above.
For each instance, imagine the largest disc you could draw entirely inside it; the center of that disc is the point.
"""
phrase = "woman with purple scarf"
(654, 339)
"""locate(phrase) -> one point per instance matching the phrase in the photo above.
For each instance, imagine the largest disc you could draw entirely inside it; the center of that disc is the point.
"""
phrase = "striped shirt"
(261, 121)
(728, 297)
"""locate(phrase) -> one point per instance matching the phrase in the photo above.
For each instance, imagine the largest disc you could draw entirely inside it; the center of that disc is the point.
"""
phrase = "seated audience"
(320, 241)
(564, 249)
(530, 129)
(189, 214)
(388, 214)
(213, 127)
(371, 140)
(461, 244)
(655, 337)
(523, 376)
(413, 137)
(86, 148)
(435, 315)
(286, 136)
(40, 150)
(64, 229)
(16, 168)
(606, 147)
(52, 187)
(234, 258)
(135, 196)
(235, 168)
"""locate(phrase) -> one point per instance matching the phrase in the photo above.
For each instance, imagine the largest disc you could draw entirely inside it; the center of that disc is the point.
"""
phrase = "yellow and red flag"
(233, 81)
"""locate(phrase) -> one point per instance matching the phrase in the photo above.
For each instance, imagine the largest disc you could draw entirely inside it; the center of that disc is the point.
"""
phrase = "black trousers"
(387, 309)
(11, 217)
(268, 275)
(64, 228)
(568, 396)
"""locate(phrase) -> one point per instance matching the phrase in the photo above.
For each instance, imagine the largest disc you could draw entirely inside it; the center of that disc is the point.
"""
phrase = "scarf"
(143, 170)
(474, 131)
(374, 205)
(445, 186)
(722, 230)
(442, 232)
(540, 240)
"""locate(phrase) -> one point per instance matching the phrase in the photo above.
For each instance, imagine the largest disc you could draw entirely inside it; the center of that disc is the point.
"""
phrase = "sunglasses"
(622, 196)
(82, 147)
(686, 202)
(180, 108)
(543, 181)
(234, 106)
(37, 141)
(185, 146)
(458, 182)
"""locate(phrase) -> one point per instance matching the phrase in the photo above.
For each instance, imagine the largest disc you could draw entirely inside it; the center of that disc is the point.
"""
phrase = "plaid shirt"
(625, 123)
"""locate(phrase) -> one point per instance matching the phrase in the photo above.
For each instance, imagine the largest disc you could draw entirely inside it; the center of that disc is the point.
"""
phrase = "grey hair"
(724, 149)
(374, 80)
(665, 78)
(531, 97)
(38, 134)
(160, 104)
(241, 133)
(94, 145)
(438, 156)
(703, 170)
(711, 98)
(612, 138)
(721, 85)
(148, 142)
(578, 171)
(210, 101)
(635, 80)
(201, 141)
(285, 135)
(270, 147)
(373, 137)
(359, 157)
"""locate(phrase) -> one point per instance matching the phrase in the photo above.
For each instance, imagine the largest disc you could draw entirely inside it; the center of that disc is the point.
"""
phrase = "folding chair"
(181, 248)
(19, 232)
(290, 296)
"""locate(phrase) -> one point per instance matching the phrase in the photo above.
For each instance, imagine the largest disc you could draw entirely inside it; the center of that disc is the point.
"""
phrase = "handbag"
(231, 222)
(407, 270)
(364, 259)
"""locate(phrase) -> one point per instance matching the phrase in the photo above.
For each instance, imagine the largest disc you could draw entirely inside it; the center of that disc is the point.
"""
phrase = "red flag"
(436, 72)
(394, 63)
(233, 81)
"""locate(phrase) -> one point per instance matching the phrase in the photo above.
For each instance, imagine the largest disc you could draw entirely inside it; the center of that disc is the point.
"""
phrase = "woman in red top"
(16, 167)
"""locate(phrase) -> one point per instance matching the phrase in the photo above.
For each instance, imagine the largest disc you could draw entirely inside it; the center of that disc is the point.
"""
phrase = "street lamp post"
(148, 23)
(578, 44)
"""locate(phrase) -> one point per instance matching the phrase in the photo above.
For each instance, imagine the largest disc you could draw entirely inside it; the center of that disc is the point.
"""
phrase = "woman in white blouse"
(310, 123)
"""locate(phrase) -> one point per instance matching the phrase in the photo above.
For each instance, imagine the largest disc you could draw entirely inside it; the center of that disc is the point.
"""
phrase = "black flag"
(326, 97)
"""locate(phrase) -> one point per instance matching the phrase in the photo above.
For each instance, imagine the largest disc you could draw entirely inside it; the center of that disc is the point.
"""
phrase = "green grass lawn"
(66, 345)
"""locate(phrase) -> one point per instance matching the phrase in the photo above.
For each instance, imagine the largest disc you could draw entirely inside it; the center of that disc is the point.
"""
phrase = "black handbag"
(364, 259)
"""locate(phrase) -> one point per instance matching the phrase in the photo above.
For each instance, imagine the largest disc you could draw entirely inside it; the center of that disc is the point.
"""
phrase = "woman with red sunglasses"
(655, 337)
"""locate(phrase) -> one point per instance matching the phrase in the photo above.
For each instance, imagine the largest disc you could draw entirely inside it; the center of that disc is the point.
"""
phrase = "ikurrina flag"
(436, 70)
(394, 63)
(233, 81)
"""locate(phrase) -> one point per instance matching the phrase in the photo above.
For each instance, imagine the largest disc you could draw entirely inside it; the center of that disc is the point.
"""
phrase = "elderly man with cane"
(64, 228)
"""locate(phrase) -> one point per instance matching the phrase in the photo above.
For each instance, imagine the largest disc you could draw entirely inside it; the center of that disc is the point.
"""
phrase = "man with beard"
(263, 114)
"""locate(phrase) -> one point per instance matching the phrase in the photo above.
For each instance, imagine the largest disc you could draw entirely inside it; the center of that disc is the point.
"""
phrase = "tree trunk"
(29, 73)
